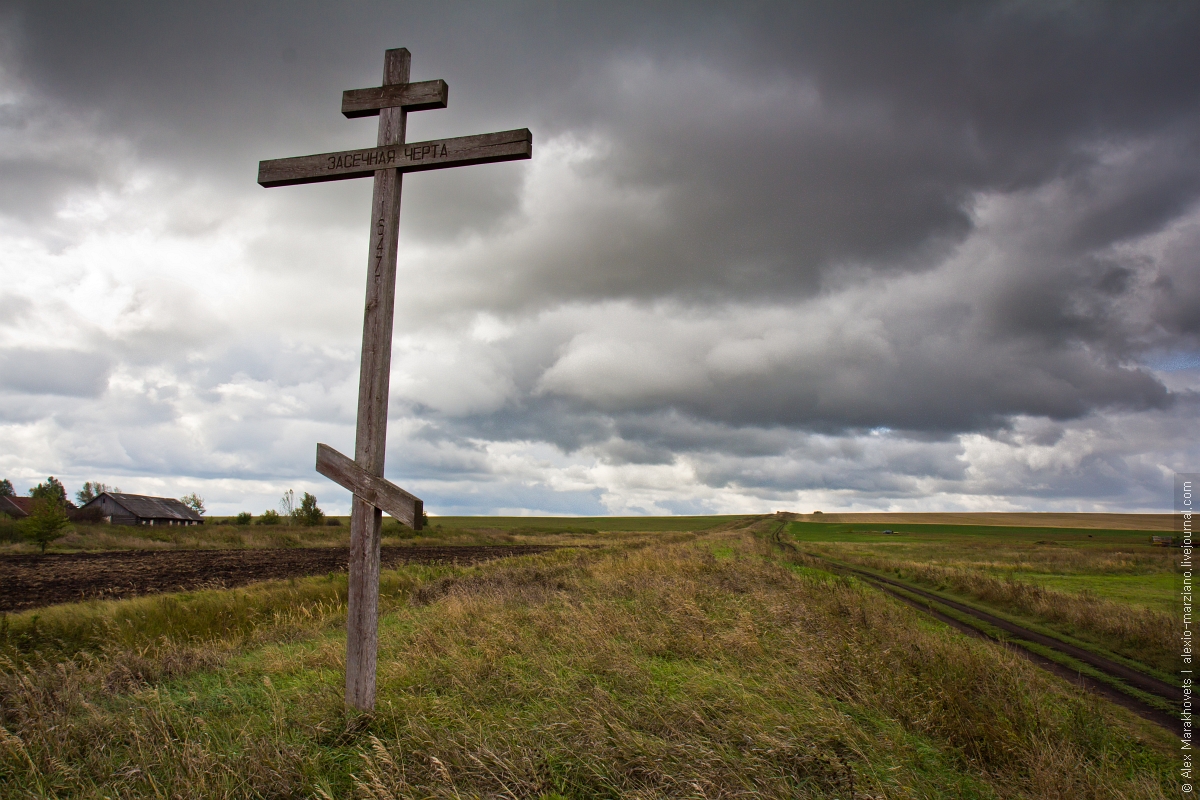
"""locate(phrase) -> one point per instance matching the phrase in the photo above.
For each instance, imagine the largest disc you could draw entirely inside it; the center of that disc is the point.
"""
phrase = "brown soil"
(32, 581)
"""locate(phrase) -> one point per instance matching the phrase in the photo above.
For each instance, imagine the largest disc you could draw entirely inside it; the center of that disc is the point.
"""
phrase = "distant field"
(1119, 564)
(873, 530)
(221, 533)
(1105, 586)
(640, 524)
(1145, 522)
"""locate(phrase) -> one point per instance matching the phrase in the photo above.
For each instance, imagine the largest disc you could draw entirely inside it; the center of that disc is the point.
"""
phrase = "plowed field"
(33, 581)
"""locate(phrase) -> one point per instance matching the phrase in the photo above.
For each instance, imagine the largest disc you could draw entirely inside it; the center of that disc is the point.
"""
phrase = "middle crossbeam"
(459, 151)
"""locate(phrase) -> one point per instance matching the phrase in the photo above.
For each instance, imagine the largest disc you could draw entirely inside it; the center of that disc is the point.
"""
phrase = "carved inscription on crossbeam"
(459, 151)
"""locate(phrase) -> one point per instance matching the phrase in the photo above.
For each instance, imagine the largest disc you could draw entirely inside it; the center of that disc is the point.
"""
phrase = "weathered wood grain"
(375, 366)
(379, 492)
(459, 151)
(418, 96)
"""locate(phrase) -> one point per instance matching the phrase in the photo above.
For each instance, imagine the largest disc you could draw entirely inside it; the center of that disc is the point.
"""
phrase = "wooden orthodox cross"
(363, 475)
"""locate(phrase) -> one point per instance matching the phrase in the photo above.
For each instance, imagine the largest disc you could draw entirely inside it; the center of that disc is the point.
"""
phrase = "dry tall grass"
(699, 668)
(1141, 634)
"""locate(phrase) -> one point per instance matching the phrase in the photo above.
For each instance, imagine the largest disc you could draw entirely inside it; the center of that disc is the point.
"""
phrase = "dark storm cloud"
(791, 136)
(833, 136)
(32, 190)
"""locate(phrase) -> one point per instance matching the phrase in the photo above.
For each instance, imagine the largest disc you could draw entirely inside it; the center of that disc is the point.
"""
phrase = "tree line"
(51, 513)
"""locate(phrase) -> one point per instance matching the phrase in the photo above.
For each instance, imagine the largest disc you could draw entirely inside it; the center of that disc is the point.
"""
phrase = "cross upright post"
(386, 162)
(374, 381)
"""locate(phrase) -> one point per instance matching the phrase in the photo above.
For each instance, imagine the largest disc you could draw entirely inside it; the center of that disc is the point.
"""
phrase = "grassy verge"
(697, 667)
(1003, 611)
(1057, 657)
(1130, 633)
(1106, 590)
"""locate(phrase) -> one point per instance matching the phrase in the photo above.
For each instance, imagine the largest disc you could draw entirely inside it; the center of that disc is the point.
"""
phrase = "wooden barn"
(119, 508)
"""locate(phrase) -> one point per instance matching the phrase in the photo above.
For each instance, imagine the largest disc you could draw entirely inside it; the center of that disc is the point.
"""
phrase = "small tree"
(287, 504)
(268, 517)
(6, 488)
(46, 522)
(51, 490)
(91, 490)
(309, 513)
(193, 501)
(243, 518)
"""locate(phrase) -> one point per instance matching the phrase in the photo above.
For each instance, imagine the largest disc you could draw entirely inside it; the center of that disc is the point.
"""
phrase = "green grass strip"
(1046, 652)
(1033, 625)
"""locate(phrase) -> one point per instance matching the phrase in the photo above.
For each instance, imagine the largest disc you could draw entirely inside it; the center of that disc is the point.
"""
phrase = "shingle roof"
(20, 505)
(145, 507)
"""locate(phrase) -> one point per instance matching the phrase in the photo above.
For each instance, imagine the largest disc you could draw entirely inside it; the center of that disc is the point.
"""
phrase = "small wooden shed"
(119, 508)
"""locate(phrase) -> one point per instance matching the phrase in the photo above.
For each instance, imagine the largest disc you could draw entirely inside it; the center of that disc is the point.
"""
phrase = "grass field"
(215, 534)
(1010, 519)
(700, 662)
(1108, 588)
(221, 533)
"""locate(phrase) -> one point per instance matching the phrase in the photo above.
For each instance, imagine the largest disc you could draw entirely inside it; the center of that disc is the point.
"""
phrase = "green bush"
(269, 517)
(397, 530)
(243, 518)
(309, 513)
(46, 522)
(10, 529)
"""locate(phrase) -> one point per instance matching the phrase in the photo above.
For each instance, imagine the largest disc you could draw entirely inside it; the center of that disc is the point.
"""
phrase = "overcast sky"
(798, 256)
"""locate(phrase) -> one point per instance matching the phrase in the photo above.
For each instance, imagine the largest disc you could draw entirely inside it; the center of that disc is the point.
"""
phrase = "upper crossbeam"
(419, 96)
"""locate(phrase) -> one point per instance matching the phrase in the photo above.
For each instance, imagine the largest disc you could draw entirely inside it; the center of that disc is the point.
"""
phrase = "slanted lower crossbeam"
(379, 492)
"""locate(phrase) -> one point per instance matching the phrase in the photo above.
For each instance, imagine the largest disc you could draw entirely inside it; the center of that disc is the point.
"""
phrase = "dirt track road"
(1124, 674)
(33, 581)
